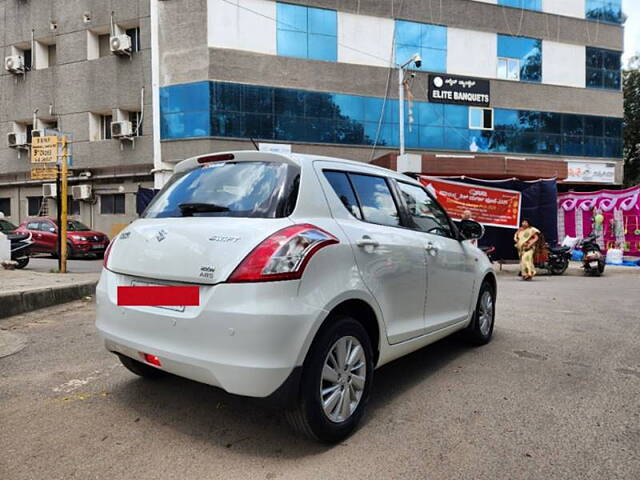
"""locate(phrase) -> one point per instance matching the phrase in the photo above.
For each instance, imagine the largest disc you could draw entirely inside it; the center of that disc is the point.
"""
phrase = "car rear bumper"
(244, 338)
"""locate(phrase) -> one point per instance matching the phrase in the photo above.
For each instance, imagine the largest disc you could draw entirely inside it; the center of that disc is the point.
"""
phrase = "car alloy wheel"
(343, 379)
(485, 313)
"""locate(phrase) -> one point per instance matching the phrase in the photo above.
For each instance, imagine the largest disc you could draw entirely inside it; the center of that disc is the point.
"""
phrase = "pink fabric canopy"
(619, 208)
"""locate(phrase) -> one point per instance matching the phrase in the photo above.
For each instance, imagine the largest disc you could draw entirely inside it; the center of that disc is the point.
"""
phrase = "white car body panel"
(247, 338)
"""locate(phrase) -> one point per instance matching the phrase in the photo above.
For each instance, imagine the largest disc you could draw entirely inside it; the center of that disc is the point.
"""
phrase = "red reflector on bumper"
(158, 296)
(152, 359)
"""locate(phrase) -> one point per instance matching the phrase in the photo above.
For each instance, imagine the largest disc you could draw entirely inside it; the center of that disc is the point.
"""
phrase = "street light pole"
(401, 70)
(401, 106)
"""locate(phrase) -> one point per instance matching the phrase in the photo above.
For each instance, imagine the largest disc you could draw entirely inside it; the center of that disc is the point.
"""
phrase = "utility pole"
(63, 203)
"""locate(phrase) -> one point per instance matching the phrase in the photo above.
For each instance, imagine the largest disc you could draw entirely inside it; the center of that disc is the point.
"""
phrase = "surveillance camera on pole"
(417, 61)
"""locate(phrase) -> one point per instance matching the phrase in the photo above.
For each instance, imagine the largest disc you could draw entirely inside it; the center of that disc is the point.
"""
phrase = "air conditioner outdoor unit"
(49, 190)
(81, 192)
(14, 64)
(120, 44)
(15, 139)
(121, 129)
(37, 133)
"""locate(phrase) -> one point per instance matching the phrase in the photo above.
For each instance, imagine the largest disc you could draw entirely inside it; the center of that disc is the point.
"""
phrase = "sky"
(632, 29)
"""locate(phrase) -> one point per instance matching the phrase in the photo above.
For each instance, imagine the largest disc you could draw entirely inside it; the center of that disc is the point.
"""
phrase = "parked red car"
(81, 240)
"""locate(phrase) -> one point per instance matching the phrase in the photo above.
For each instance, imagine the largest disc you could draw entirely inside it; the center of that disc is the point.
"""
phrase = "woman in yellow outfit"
(526, 239)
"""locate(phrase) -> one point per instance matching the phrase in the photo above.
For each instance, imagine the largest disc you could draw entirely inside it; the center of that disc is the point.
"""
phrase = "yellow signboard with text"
(45, 172)
(44, 149)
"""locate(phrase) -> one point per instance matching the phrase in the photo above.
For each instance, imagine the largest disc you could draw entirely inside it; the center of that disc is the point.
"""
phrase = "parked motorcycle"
(593, 260)
(20, 248)
(557, 260)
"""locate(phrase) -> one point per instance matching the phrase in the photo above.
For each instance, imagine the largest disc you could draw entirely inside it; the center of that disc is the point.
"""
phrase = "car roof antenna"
(254, 143)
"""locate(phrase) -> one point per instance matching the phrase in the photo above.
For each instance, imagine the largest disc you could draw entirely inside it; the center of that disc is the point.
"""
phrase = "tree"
(631, 89)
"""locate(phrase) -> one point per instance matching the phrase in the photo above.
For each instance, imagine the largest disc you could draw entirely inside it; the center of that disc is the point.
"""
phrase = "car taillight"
(282, 256)
(105, 258)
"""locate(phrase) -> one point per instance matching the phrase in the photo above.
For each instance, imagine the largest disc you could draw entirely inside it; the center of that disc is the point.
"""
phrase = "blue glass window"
(609, 11)
(603, 68)
(429, 41)
(526, 4)
(526, 51)
(221, 109)
(307, 32)
(185, 110)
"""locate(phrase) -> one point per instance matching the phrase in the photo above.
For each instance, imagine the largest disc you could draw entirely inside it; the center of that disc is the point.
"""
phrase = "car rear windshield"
(229, 189)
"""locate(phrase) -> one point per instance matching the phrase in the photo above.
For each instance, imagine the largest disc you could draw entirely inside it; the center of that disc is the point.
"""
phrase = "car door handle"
(431, 248)
(367, 241)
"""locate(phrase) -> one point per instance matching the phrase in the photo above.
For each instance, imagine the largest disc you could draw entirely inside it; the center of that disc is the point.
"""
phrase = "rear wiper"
(188, 209)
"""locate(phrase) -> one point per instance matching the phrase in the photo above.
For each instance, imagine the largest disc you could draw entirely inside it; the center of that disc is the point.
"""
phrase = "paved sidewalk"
(22, 290)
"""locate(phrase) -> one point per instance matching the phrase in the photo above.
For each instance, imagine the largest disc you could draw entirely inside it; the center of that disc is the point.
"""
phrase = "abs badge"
(207, 272)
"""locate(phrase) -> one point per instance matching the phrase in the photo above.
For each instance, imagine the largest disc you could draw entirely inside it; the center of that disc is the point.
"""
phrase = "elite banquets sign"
(495, 207)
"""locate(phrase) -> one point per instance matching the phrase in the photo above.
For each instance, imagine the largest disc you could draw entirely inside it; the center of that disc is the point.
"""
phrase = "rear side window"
(229, 189)
(375, 199)
(341, 185)
(426, 215)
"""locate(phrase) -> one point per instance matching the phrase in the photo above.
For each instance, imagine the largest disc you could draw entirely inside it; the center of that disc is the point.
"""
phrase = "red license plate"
(158, 296)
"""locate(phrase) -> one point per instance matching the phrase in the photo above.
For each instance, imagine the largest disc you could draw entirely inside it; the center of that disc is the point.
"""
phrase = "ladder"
(44, 207)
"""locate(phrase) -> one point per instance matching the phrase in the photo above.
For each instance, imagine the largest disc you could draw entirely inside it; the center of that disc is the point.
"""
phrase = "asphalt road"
(556, 395)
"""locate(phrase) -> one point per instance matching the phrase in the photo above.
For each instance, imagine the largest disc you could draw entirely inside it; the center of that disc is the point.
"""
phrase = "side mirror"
(471, 230)
(52, 230)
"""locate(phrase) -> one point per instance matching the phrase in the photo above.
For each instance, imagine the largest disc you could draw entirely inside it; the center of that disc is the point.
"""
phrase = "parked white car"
(311, 271)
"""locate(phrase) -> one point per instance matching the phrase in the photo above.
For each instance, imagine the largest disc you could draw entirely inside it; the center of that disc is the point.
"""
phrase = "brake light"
(282, 256)
(105, 258)
(216, 158)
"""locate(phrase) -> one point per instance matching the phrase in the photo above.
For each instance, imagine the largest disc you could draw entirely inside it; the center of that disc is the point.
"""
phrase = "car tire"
(141, 369)
(22, 262)
(333, 424)
(70, 251)
(480, 331)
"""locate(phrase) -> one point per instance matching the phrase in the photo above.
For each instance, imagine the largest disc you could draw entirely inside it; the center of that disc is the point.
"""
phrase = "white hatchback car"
(311, 272)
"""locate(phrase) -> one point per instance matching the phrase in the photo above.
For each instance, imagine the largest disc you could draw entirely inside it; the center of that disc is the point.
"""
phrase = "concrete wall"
(365, 40)
(67, 91)
(563, 64)
(570, 8)
(183, 41)
(249, 25)
(472, 53)
(72, 88)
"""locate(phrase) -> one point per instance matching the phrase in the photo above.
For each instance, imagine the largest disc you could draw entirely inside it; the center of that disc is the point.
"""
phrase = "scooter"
(20, 248)
(557, 260)
(592, 259)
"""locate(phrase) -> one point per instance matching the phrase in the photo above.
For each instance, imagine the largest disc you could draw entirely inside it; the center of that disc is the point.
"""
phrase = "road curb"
(21, 302)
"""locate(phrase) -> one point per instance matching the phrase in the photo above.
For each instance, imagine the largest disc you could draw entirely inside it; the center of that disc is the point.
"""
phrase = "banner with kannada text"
(489, 206)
